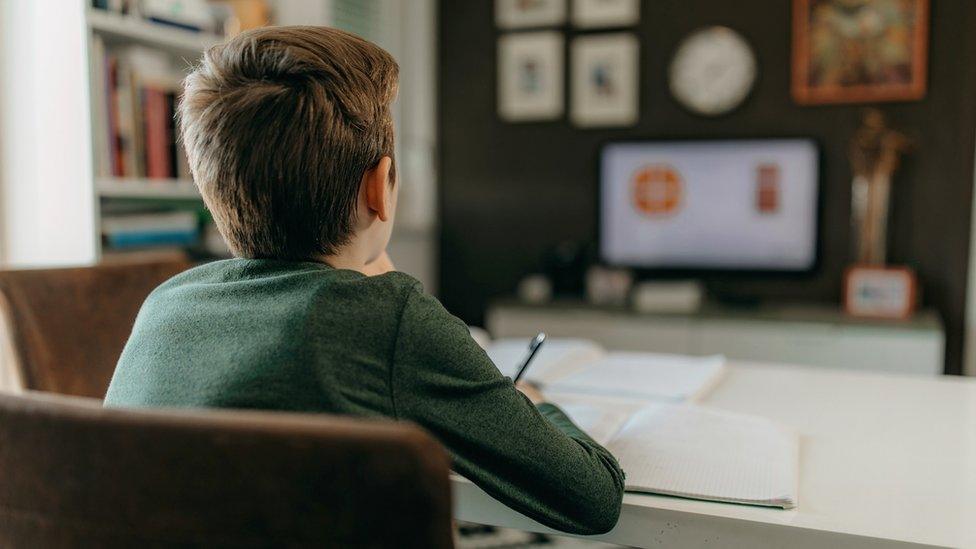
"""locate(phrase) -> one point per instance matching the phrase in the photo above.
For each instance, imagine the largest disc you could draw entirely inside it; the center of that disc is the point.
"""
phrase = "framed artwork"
(880, 292)
(530, 76)
(859, 51)
(588, 14)
(605, 80)
(520, 14)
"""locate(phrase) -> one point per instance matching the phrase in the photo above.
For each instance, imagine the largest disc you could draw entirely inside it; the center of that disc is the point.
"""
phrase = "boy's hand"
(380, 265)
(531, 391)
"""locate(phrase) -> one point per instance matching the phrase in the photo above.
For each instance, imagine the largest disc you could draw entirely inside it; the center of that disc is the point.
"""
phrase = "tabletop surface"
(881, 455)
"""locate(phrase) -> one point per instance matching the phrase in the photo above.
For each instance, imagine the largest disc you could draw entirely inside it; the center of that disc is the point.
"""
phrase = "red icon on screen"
(767, 188)
(657, 190)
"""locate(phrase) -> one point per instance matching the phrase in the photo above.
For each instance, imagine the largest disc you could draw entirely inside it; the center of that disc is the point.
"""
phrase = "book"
(178, 228)
(642, 407)
(569, 365)
(191, 15)
(138, 96)
(696, 452)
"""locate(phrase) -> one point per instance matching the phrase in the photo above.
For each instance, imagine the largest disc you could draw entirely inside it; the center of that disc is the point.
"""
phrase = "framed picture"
(605, 80)
(520, 14)
(530, 76)
(589, 14)
(880, 292)
(857, 52)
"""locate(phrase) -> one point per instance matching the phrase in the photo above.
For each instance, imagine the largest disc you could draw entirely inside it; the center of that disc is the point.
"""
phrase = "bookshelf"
(56, 191)
(122, 28)
(146, 189)
(138, 172)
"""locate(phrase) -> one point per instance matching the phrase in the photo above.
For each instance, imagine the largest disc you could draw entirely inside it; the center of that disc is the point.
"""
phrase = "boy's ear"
(376, 183)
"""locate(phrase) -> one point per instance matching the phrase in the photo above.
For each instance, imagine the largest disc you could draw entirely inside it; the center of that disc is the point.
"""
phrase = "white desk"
(884, 461)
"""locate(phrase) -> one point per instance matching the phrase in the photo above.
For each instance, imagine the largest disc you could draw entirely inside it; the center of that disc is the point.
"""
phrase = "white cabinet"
(809, 335)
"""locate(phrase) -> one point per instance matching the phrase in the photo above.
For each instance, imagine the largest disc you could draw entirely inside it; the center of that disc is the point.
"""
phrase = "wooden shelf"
(163, 189)
(133, 29)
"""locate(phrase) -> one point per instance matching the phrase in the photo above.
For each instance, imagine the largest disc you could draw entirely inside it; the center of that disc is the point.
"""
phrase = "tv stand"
(807, 334)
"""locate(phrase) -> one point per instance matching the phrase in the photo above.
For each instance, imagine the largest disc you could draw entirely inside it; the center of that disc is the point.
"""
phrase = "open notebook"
(695, 452)
(579, 366)
(638, 405)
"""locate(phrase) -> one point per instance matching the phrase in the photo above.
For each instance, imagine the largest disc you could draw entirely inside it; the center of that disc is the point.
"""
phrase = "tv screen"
(710, 205)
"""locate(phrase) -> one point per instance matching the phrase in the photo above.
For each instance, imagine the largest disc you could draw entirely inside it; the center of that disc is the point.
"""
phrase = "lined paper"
(649, 376)
(701, 453)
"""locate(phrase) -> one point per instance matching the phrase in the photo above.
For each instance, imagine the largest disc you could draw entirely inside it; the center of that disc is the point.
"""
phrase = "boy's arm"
(531, 458)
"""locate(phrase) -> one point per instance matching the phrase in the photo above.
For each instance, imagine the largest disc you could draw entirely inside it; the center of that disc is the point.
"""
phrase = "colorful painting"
(859, 51)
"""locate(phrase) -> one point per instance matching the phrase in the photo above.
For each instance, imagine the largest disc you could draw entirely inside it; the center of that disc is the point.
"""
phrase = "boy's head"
(289, 136)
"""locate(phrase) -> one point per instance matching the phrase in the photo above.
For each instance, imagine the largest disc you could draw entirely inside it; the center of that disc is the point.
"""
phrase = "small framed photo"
(530, 76)
(605, 80)
(880, 292)
(520, 14)
(591, 14)
(859, 52)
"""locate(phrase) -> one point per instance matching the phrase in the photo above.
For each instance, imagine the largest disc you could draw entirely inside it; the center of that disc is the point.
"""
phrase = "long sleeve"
(532, 459)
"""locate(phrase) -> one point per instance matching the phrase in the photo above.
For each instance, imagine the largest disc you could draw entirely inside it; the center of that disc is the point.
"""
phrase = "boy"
(290, 139)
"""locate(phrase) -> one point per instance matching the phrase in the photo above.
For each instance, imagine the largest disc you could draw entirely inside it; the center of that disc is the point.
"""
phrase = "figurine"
(874, 154)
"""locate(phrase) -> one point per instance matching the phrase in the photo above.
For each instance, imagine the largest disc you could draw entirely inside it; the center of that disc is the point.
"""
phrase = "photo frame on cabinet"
(605, 80)
(530, 76)
(875, 291)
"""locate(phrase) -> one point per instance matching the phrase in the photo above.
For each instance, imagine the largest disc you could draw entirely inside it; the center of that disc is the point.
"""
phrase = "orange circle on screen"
(656, 190)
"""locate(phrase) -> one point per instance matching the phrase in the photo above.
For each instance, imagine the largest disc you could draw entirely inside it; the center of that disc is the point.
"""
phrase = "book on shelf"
(146, 255)
(149, 230)
(194, 15)
(191, 15)
(136, 92)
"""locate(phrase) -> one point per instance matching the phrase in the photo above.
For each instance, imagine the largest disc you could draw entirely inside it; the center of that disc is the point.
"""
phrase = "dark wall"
(511, 191)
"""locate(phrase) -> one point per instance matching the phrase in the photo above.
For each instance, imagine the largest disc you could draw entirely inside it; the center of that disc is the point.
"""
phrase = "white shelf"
(165, 189)
(133, 29)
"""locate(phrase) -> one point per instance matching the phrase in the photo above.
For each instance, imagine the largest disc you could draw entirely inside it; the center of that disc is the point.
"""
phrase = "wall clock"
(713, 71)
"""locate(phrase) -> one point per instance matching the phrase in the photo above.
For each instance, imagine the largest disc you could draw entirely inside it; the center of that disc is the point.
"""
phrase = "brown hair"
(279, 125)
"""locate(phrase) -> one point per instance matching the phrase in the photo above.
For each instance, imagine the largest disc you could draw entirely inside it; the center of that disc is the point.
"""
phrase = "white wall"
(47, 207)
(302, 12)
(414, 245)
(407, 29)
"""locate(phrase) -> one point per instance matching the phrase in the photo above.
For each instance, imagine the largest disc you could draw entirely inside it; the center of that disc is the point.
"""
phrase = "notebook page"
(599, 417)
(700, 453)
(648, 376)
(556, 358)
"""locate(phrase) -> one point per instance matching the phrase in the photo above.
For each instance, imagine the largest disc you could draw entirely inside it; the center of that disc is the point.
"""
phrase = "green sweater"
(309, 338)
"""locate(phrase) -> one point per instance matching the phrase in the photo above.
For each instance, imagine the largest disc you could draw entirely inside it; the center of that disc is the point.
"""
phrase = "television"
(716, 205)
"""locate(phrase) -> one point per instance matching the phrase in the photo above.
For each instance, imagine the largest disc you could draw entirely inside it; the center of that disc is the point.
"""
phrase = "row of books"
(147, 230)
(131, 228)
(194, 15)
(136, 92)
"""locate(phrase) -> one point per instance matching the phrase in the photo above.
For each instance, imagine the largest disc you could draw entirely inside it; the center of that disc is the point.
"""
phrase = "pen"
(534, 345)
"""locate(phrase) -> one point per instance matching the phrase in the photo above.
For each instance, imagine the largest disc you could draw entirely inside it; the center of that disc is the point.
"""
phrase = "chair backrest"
(78, 475)
(64, 329)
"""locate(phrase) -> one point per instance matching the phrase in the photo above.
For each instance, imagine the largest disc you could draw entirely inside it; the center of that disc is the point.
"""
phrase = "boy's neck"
(347, 258)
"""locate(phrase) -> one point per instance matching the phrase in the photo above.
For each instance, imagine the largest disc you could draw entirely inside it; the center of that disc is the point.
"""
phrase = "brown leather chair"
(63, 329)
(73, 474)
